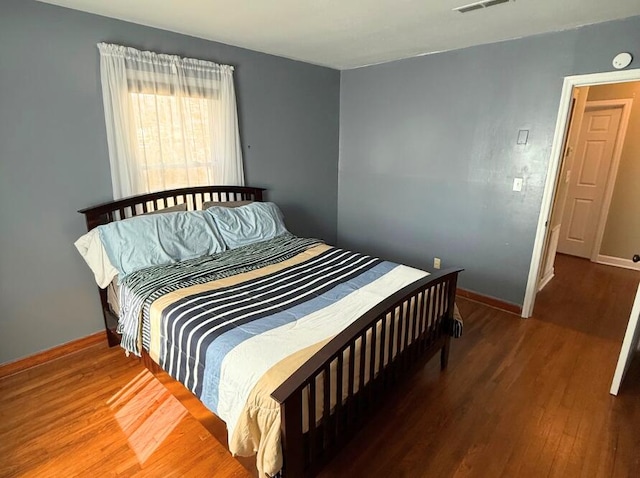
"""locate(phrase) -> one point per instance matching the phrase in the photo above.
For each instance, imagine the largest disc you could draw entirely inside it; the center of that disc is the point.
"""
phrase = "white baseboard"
(546, 279)
(618, 262)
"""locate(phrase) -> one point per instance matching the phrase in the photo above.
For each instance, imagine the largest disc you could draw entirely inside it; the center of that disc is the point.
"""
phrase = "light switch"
(517, 184)
(523, 136)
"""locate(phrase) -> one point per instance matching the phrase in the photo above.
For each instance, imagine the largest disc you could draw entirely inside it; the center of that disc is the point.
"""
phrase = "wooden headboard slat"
(194, 197)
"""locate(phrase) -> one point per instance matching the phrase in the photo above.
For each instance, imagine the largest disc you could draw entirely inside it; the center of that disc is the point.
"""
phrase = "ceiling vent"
(478, 5)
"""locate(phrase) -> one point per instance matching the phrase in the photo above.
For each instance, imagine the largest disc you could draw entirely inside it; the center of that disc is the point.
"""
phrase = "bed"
(293, 343)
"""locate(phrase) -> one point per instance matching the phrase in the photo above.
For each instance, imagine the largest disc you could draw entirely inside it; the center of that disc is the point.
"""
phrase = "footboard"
(327, 399)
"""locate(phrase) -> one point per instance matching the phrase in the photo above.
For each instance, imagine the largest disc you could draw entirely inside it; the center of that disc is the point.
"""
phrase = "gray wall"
(428, 151)
(53, 155)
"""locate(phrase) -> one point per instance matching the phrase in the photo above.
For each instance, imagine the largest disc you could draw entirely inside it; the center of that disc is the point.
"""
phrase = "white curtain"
(171, 122)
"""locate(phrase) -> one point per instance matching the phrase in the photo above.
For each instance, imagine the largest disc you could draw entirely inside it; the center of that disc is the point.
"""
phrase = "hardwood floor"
(520, 398)
(97, 413)
(603, 295)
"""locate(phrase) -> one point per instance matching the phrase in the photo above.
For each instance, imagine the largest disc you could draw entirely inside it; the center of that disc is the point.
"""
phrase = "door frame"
(576, 111)
(609, 187)
(554, 166)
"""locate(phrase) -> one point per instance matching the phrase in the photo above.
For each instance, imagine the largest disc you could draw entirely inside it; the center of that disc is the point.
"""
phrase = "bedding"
(247, 224)
(233, 326)
(149, 240)
(91, 249)
(170, 236)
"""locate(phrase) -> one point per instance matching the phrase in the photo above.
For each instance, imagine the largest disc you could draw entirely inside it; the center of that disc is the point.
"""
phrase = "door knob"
(636, 258)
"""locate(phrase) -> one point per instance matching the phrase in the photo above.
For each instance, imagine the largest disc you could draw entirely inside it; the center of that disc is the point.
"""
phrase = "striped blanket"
(140, 289)
(233, 326)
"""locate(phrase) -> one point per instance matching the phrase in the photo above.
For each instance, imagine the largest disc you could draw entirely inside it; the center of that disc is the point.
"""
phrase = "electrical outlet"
(517, 184)
(436, 263)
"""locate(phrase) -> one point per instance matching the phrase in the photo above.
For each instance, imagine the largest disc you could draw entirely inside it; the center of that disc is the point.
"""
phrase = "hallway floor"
(587, 297)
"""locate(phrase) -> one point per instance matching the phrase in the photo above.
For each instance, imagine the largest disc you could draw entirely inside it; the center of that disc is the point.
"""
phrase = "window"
(173, 140)
(171, 122)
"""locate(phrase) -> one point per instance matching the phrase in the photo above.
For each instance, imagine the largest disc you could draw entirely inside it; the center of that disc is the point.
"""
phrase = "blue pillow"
(244, 225)
(151, 240)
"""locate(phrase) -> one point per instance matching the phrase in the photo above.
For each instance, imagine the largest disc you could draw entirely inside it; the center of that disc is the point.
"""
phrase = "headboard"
(194, 197)
(124, 208)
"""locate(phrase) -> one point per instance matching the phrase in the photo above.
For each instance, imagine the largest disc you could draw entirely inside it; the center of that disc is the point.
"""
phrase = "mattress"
(113, 297)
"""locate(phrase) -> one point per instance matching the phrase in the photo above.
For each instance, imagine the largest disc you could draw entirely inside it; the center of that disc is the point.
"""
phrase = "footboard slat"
(383, 349)
(326, 409)
(405, 327)
(363, 356)
(403, 330)
(350, 403)
(372, 364)
(426, 321)
(338, 423)
(390, 369)
(413, 322)
(311, 456)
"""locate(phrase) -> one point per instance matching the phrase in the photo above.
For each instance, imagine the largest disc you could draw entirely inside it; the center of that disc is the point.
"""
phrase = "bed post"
(452, 287)
(444, 352)
(292, 440)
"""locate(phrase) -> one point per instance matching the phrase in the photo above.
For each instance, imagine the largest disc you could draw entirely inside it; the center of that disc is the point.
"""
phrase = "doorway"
(594, 145)
(595, 158)
(581, 228)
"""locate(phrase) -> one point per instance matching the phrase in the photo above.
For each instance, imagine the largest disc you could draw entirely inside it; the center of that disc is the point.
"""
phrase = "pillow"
(208, 204)
(176, 208)
(244, 225)
(157, 239)
(94, 254)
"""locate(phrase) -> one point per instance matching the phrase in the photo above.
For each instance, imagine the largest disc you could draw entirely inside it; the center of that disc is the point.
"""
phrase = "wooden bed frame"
(417, 321)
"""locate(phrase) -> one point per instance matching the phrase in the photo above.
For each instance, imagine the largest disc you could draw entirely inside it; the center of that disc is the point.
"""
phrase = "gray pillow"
(176, 208)
(208, 204)
(245, 225)
(156, 239)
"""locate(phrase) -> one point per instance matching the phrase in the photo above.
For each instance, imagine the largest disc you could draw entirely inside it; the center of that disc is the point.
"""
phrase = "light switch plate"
(517, 184)
(523, 136)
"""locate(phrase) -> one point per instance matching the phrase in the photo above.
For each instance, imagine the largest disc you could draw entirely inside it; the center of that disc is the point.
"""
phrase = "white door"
(629, 345)
(588, 180)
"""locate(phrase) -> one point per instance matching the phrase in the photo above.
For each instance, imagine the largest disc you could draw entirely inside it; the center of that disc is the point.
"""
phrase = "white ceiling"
(346, 34)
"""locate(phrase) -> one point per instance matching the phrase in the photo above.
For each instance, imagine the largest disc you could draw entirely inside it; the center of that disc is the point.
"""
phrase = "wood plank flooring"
(97, 413)
(520, 398)
(603, 295)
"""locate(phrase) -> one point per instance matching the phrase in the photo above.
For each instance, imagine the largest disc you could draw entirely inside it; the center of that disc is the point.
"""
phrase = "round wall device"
(622, 60)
